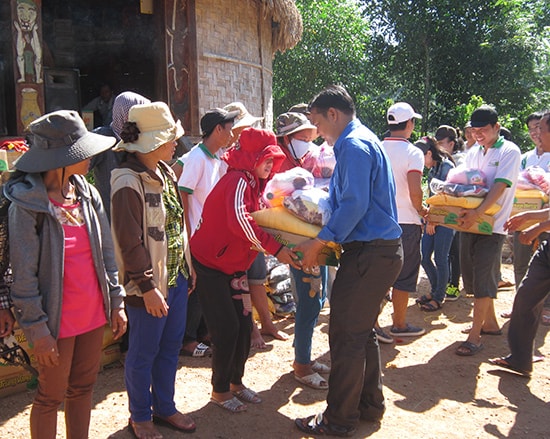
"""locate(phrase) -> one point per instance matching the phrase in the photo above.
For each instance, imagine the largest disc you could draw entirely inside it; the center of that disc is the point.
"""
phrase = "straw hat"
(60, 139)
(155, 126)
(244, 118)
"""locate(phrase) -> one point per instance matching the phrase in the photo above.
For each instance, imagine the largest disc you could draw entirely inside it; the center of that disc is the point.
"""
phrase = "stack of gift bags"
(532, 191)
(464, 189)
(297, 209)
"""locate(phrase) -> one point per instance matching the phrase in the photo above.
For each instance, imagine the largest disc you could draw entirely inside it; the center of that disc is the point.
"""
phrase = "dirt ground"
(430, 392)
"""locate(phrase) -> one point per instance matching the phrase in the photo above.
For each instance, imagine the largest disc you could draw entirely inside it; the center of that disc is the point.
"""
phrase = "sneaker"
(382, 336)
(407, 331)
(452, 294)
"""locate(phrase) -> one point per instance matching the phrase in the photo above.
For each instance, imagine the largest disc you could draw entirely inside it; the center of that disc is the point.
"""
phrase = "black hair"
(398, 126)
(333, 96)
(130, 132)
(438, 153)
(533, 116)
(546, 114)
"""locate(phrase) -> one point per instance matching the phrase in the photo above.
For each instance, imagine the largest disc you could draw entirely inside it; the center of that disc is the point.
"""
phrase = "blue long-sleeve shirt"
(362, 190)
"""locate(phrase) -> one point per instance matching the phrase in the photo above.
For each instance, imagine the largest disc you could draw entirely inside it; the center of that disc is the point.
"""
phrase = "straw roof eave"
(287, 23)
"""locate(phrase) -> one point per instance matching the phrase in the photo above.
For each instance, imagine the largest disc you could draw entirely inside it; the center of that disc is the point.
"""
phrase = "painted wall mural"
(27, 50)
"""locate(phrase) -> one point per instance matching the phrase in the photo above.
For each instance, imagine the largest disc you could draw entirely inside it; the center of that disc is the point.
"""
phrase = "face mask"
(299, 148)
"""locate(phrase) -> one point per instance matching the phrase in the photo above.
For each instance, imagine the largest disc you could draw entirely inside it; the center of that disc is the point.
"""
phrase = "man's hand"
(6, 322)
(155, 303)
(430, 228)
(288, 256)
(467, 217)
(517, 221)
(119, 322)
(310, 250)
(45, 349)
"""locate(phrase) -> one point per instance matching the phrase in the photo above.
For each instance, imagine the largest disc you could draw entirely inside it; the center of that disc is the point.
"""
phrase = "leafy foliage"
(442, 56)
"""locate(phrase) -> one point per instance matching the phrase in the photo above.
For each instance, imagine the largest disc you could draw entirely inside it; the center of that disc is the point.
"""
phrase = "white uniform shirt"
(404, 158)
(500, 164)
(201, 171)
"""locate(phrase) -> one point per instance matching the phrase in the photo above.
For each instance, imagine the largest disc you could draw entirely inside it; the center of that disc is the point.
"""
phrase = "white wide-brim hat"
(156, 127)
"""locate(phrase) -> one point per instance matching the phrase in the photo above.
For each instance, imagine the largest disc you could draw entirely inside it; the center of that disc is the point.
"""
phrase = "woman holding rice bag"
(436, 240)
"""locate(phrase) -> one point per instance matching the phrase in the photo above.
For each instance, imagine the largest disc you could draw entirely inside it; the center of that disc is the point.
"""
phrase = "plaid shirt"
(5, 302)
(174, 233)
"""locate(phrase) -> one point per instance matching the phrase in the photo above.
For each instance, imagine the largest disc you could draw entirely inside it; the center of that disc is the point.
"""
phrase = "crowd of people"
(169, 252)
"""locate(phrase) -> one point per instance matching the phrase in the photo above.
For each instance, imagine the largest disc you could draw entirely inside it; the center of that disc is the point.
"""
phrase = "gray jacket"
(37, 253)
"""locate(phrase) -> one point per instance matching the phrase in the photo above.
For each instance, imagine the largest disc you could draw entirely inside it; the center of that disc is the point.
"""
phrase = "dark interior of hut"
(85, 44)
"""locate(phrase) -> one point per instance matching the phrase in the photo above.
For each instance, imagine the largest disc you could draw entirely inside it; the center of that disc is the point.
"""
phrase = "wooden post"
(27, 56)
(181, 62)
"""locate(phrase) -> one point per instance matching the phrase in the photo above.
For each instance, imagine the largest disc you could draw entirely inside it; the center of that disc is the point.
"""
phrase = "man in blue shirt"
(364, 221)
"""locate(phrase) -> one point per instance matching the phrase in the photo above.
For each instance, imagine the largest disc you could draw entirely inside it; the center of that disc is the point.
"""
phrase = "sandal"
(232, 405)
(170, 421)
(545, 319)
(423, 299)
(201, 350)
(315, 381)
(247, 395)
(320, 367)
(503, 362)
(467, 349)
(316, 424)
(429, 306)
(483, 331)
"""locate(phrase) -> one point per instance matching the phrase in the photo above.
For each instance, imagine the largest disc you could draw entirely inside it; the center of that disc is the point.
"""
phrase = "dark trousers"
(365, 275)
(228, 323)
(527, 309)
(454, 261)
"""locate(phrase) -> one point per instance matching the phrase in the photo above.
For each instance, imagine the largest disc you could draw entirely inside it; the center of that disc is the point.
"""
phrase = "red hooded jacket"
(227, 239)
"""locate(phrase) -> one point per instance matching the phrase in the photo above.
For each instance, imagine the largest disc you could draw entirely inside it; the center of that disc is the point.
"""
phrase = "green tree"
(333, 49)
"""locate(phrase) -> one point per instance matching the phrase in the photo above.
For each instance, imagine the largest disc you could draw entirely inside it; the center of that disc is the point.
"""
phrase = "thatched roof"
(286, 23)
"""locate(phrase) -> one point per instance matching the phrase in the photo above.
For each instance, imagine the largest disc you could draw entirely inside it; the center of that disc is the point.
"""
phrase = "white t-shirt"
(201, 171)
(530, 158)
(500, 163)
(404, 158)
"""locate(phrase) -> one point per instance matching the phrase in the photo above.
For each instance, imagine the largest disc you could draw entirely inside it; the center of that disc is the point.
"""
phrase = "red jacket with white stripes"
(227, 239)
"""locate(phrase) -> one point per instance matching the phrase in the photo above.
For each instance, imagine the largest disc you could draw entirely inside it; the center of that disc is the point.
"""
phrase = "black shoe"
(316, 424)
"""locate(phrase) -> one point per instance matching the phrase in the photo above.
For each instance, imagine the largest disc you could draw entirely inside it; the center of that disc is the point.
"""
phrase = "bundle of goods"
(532, 190)
(320, 161)
(297, 210)
(279, 288)
(463, 189)
(283, 184)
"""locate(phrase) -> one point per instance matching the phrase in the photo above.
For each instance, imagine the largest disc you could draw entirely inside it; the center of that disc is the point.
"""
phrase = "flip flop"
(483, 332)
(503, 363)
(247, 395)
(315, 381)
(320, 367)
(161, 420)
(232, 405)
(201, 350)
(467, 349)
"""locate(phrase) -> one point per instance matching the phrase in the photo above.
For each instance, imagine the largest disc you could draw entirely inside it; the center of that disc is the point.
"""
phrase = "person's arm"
(467, 217)
(528, 236)
(241, 223)
(521, 218)
(6, 317)
(118, 317)
(414, 182)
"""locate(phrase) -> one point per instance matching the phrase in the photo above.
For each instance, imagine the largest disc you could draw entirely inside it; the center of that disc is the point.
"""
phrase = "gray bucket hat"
(290, 123)
(60, 139)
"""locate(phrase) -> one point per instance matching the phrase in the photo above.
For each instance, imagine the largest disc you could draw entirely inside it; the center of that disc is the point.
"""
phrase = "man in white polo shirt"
(407, 162)
(202, 169)
(499, 160)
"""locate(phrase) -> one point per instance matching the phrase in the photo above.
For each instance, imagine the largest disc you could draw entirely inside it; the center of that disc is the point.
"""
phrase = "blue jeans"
(307, 310)
(438, 245)
(152, 358)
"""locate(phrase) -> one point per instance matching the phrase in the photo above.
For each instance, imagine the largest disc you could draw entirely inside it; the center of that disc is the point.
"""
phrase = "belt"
(353, 245)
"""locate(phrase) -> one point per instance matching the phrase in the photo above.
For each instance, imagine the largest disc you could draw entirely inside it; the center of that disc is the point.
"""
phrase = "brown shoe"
(178, 421)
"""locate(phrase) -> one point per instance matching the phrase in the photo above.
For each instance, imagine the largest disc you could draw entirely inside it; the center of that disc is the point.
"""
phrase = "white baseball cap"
(401, 112)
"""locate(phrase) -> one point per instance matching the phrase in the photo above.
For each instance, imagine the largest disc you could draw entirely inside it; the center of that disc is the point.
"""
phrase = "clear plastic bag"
(285, 183)
(310, 205)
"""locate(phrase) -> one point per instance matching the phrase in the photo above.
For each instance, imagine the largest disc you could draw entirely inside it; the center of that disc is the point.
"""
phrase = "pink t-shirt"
(82, 308)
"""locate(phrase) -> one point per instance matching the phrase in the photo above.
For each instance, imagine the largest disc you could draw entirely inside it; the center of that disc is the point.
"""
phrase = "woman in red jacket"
(223, 247)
